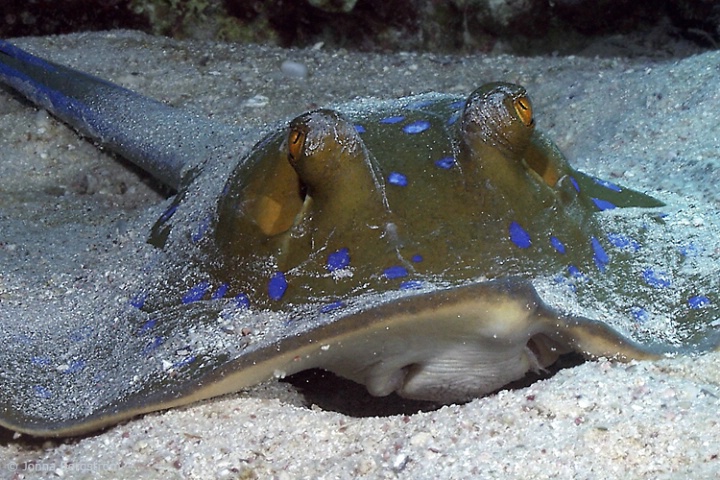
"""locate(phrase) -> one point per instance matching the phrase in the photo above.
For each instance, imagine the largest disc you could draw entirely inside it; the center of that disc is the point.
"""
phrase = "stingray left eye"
(523, 107)
(296, 142)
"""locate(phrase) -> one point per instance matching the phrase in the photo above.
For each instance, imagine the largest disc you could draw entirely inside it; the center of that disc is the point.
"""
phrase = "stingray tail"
(125, 122)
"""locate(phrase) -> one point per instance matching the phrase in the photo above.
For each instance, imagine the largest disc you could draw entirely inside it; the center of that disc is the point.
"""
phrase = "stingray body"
(394, 243)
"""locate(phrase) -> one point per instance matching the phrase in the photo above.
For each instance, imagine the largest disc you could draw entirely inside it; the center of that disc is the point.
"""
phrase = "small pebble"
(257, 101)
(293, 69)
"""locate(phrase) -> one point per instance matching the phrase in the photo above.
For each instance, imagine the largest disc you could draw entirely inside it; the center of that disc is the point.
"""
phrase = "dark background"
(512, 26)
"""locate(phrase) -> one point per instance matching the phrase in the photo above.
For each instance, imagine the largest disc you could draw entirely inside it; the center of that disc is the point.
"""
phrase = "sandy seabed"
(650, 122)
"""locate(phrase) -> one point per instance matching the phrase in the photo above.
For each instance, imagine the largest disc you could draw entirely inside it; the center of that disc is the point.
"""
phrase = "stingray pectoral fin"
(544, 157)
(595, 339)
(162, 393)
(616, 195)
(445, 346)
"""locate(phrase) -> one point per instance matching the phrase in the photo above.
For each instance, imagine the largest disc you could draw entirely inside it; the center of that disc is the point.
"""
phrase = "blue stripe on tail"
(33, 77)
(110, 114)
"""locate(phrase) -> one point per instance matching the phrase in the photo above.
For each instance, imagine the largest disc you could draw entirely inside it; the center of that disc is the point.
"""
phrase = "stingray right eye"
(523, 108)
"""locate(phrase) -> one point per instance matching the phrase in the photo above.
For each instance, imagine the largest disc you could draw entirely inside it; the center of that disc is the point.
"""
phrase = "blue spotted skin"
(417, 181)
(374, 243)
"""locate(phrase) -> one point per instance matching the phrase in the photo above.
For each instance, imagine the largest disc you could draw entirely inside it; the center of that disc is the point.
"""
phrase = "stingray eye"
(524, 110)
(296, 142)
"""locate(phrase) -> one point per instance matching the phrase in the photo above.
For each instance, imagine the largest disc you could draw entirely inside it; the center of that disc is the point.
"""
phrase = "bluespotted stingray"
(399, 244)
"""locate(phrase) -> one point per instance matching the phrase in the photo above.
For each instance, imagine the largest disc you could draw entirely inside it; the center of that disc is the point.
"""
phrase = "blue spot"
(698, 301)
(395, 271)
(392, 120)
(601, 258)
(277, 286)
(557, 244)
(621, 241)
(519, 236)
(656, 279)
(689, 250)
(75, 366)
(338, 260)
(168, 213)
(138, 300)
(40, 361)
(242, 301)
(359, 128)
(417, 258)
(147, 326)
(200, 230)
(561, 280)
(152, 345)
(331, 306)
(575, 184)
(640, 314)
(603, 204)
(411, 285)
(80, 334)
(445, 163)
(220, 292)
(196, 293)
(185, 361)
(453, 118)
(22, 339)
(457, 104)
(608, 185)
(398, 179)
(418, 126)
(575, 272)
(41, 391)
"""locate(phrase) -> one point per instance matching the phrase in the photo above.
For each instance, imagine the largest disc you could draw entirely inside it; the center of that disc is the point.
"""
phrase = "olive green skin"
(287, 211)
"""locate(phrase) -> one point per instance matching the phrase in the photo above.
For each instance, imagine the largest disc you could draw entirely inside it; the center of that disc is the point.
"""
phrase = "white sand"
(652, 122)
